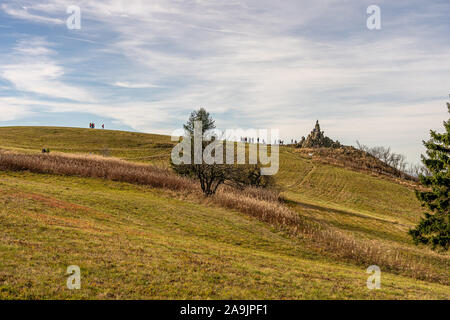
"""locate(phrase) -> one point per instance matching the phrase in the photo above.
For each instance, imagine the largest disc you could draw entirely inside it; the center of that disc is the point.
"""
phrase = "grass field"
(134, 241)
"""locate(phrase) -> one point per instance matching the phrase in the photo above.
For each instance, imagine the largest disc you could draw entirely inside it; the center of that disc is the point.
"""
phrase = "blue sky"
(144, 65)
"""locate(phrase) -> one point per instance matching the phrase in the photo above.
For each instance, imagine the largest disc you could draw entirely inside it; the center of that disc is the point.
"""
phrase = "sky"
(145, 65)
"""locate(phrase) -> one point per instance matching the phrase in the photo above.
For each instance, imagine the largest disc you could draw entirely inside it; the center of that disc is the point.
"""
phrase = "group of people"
(252, 140)
(258, 140)
(281, 142)
(92, 125)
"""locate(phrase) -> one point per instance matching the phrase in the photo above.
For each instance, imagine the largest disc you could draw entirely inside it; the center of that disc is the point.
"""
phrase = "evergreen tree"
(199, 115)
(211, 176)
(434, 228)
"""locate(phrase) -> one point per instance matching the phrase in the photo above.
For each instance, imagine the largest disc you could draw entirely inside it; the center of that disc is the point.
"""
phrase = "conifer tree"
(434, 228)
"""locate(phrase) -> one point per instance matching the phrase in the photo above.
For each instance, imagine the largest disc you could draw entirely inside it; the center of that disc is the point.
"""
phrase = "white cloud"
(12, 108)
(23, 13)
(137, 115)
(42, 78)
(131, 85)
(33, 70)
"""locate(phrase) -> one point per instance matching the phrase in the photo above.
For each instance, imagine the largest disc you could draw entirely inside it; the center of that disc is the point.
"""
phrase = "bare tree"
(395, 160)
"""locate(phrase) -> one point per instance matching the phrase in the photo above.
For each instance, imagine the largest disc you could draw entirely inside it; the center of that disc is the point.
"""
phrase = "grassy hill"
(127, 145)
(134, 241)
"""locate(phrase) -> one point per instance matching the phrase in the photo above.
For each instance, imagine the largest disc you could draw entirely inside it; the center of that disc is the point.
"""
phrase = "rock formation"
(317, 139)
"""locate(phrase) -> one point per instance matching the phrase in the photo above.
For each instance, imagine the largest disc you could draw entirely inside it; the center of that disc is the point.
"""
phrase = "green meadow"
(137, 242)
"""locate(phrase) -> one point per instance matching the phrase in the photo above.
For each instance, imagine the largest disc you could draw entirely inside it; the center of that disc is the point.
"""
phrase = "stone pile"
(317, 139)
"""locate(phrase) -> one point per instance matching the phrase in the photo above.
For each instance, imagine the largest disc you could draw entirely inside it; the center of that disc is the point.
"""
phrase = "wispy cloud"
(24, 14)
(138, 85)
(33, 70)
(10, 110)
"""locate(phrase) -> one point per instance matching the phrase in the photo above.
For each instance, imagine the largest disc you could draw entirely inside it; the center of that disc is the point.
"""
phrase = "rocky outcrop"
(317, 139)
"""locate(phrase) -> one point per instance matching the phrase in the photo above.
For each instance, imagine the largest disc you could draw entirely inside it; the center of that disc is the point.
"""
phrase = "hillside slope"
(136, 242)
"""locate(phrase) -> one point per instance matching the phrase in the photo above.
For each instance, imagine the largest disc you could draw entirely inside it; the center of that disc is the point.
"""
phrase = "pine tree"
(199, 115)
(210, 176)
(434, 228)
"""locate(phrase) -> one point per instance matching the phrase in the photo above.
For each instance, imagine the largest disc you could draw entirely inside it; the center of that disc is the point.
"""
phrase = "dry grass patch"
(94, 167)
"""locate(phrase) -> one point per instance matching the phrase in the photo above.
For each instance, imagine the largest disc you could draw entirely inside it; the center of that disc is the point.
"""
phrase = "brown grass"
(93, 167)
(357, 160)
(261, 204)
